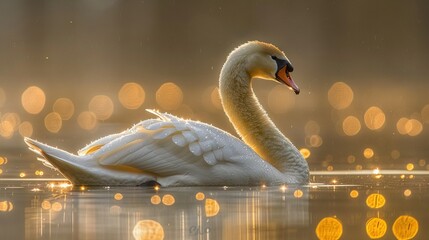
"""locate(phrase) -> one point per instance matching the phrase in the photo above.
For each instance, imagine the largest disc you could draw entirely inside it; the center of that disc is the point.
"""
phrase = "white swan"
(176, 152)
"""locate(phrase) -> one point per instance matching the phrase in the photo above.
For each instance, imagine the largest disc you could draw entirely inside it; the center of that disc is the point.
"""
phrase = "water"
(387, 204)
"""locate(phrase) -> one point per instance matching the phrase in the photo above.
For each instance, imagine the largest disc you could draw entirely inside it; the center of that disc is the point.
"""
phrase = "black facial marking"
(281, 63)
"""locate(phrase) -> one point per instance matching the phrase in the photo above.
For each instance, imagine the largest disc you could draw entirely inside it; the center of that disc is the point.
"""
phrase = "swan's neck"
(254, 126)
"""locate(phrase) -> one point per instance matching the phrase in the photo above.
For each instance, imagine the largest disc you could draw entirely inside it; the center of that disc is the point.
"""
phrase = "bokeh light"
(351, 126)
(101, 106)
(415, 127)
(131, 95)
(374, 118)
(280, 100)
(298, 193)
(25, 129)
(340, 95)
(6, 206)
(376, 228)
(211, 207)
(407, 192)
(405, 227)
(118, 196)
(368, 153)
(33, 100)
(46, 205)
(305, 152)
(354, 194)
(53, 122)
(87, 120)
(148, 230)
(329, 228)
(169, 96)
(155, 199)
(425, 113)
(200, 196)
(64, 107)
(3, 160)
(57, 206)
(168, 199)
(311, 128)
(375, 200)
(410, 166)
(315, 141)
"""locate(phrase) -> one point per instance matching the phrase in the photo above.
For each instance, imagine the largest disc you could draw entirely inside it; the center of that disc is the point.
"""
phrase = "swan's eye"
(274, 57)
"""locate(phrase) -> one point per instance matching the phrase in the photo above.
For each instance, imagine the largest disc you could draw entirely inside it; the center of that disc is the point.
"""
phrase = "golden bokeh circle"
(415, 127)
(87, 120)
(354, 194)
(169, 96)
(200, 196)
(368, 153)
(298, 193)
(131, 95)
(168, 199)
(405, 227)
(33, 100)
(329, 228)
(374, 118)
(102, 106)
(376, 228)
(407, 192)
(340, 95)
(57, 206)
(46, 205)
(64, 107)
(118, 196)
(409, 166)
(403, 126)
(211, 207)
(351, 126)
(155, 199)
(305, 152)
(53, 122)
(375, 200)
(315, 140)
(312, 128)
(148, 230)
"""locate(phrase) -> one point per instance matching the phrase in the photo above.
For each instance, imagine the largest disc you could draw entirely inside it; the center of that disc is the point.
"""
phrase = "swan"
(171, 151)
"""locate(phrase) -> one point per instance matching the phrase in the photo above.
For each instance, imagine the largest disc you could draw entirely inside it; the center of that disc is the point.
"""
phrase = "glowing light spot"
(13, 119)
(358, 167)
(53, 122)
(6, 206)
(2, 97)
(3, 160)
(101, 106)
(395, 154)
(376, 171)
(115, 210)
(376, 228)
(375, 200)
(56, 206)
(374, 118)
(39, 173)
(422, 163)
(46, 205)
(200, 196)
(305, 152)
(33, 100)
(407, 192)
(368, 153)
(405, 227)
(25, 129)
(155, 199)
(415, 127)
(168, 200)
(410, 166)
(280, 100)
(354, 194)
(169, 96)
(118, 196)
(131, 95)
(298, 193)
(82, 188)
(351, 126)
(211, 207)
(330, 168)
(311, 128)
(6, 129)
(402, 126)
(148, 230)
(340, 95)
(22, 174)
(329, 228)
(87, 120)
(64, 107)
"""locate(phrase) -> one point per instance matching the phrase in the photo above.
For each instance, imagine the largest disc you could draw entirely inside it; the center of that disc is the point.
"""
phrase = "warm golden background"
(74, 71)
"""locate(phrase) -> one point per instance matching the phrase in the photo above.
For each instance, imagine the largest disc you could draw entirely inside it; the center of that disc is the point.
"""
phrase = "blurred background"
(74, 71)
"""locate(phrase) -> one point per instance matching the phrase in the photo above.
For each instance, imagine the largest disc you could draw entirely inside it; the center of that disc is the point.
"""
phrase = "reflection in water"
(385, 207)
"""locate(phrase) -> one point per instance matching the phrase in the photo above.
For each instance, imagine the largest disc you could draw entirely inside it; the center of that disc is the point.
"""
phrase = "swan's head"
(265, 61)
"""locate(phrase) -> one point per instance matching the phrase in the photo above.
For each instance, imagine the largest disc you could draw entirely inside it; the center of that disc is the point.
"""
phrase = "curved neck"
(253, 124)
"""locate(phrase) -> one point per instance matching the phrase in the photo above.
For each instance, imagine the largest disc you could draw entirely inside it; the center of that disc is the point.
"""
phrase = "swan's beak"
(283, 76)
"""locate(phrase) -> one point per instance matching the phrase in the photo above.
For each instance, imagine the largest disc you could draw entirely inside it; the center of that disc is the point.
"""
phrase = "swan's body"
(173, 152)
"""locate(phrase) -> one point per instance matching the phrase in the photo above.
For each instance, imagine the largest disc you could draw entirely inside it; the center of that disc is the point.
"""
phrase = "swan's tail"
(55, 158)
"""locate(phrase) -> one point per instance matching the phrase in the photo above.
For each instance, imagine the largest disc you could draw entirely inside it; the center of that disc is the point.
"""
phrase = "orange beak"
(283, 76)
